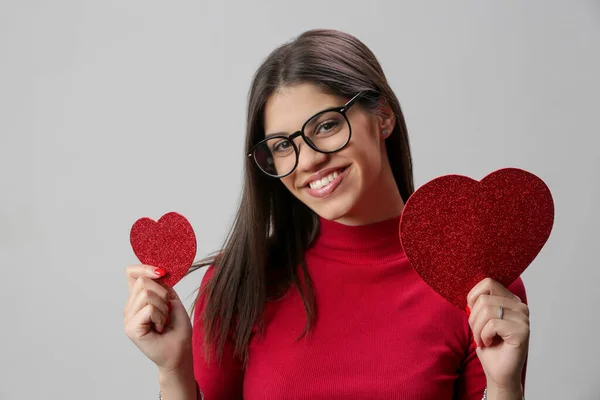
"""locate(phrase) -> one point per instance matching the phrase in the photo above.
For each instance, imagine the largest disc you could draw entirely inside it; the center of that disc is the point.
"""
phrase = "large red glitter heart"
(169, 244)
(456, 231)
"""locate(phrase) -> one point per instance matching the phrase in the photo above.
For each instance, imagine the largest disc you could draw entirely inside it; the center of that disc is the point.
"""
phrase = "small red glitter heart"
(457, 231)
(169, 244)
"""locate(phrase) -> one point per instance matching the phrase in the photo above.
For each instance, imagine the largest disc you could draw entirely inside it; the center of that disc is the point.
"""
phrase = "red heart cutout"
(457, 231)
(169, 244)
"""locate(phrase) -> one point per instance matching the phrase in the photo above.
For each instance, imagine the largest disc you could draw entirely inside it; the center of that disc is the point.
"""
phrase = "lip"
(330, 188)
(320, 175)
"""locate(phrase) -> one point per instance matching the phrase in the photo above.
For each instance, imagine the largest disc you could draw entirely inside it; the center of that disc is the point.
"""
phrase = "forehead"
(289, 107)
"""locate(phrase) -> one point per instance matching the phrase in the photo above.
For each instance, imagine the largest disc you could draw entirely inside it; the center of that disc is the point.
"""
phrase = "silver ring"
(501, 312)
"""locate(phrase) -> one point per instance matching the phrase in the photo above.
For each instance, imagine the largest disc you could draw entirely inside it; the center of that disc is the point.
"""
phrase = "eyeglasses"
(327, 132)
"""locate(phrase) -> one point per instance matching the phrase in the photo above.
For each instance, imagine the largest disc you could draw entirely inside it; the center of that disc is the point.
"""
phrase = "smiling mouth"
(325, 186)
(320, 183)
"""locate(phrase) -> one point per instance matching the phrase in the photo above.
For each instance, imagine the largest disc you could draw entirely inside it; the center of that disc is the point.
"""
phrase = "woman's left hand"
(502, 344)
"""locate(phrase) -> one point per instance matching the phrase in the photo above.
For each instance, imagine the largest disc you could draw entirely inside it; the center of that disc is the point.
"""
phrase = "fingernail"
(468, 310)
(474, 341)
(159, 271)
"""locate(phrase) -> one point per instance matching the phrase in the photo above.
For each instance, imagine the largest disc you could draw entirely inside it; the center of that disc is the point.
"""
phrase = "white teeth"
(319, 183)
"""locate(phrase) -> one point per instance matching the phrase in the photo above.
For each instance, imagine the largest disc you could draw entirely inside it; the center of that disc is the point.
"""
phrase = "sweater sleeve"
(217, 381)
(471, 381)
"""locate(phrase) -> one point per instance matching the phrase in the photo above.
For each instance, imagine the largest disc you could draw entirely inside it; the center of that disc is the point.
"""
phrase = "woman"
(312, 296)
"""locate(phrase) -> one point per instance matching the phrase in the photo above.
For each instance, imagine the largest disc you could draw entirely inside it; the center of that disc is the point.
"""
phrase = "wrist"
(178, 384)
(508, 392)
(174, 376)
(178, 374)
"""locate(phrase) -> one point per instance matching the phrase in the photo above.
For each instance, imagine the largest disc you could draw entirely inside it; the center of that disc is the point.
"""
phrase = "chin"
(333, 210)
(331, 216)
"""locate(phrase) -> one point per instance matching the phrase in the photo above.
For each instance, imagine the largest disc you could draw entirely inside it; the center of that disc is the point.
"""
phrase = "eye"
(282, 146)
(327, 126)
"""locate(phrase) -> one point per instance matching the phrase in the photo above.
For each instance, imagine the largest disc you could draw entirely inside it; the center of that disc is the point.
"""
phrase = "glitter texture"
(456, 231)
(169, 244)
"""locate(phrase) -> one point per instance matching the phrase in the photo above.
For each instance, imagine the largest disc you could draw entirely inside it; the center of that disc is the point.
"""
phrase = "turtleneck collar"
(377, 242)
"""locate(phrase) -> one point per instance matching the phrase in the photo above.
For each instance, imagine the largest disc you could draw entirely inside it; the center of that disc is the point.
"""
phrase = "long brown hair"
(272, 229)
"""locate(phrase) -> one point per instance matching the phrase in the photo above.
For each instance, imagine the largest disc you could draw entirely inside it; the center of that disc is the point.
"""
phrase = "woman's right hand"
(156, 320)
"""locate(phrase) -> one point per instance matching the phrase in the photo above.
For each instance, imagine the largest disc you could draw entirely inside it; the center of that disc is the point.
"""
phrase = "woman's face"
(354, 182)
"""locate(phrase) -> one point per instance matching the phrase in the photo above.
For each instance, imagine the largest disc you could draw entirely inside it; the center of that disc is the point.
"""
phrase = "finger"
(180, 318)
(144, 283)
(487, 300)
(172, 293)
(141, 324)
(144, 298)
(491, 287)
(515, 333)
(175, 306)
(484, 314)
(135, 271)
(158, 319)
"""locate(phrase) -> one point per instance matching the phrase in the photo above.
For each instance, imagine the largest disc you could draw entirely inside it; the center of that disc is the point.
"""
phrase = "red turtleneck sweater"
(381, 332)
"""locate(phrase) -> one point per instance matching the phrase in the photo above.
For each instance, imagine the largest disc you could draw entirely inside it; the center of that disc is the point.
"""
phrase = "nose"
(309, 159)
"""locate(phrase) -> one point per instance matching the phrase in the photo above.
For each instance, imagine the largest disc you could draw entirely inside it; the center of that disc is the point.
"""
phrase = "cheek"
(369, 164)
(288, 182)
(368, 156)
(366, 143)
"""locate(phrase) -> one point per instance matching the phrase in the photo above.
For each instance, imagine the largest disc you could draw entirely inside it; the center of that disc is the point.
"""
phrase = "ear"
(386, 120)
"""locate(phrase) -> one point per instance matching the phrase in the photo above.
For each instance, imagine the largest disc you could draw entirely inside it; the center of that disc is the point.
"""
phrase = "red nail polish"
(474, 341)
(159, 271)
(468, 310)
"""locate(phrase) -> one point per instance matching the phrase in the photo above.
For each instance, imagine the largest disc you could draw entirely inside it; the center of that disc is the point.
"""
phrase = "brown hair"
(272, 229)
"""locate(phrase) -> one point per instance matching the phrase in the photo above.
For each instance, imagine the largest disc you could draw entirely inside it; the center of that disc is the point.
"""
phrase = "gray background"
(114, 110)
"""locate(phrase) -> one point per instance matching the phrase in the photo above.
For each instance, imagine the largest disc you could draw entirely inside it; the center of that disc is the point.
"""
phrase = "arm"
(472, 380)
(504, 393)
(518, 391)
(217, 381)
(179, 384)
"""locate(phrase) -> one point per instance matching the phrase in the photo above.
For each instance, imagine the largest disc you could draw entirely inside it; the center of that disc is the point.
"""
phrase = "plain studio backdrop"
(115, 110)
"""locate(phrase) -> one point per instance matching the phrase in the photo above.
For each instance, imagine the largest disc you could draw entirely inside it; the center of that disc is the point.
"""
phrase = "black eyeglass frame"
(342, 110)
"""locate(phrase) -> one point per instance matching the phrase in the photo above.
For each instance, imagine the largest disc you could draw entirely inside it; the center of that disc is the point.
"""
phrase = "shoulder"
(200, 301)
(518, 288)
(208, 274)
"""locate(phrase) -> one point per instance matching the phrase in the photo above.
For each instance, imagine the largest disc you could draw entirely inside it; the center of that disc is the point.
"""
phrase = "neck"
(373, 244)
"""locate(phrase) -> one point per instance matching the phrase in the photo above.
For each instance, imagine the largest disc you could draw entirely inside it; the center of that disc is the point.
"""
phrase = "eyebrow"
(276, 134)
(288, 134)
